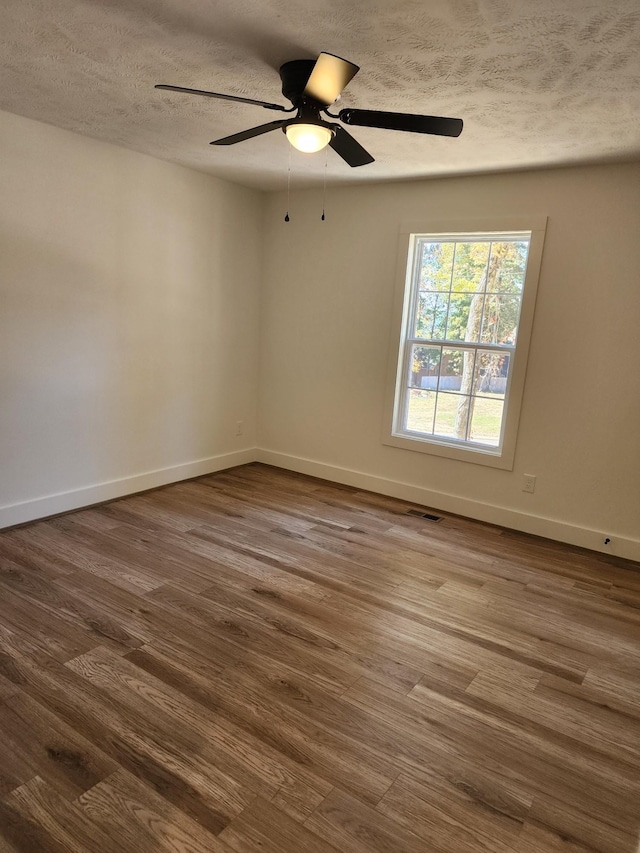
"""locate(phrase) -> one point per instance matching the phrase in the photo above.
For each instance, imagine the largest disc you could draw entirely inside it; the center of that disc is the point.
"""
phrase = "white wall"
(325, 333)
(129, 297)
(130, 317)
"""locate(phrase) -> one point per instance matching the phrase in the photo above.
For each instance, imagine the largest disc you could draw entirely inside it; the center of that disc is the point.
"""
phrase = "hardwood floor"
(260, 661)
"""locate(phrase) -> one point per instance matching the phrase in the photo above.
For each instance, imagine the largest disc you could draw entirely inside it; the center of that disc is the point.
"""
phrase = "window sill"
(476, 455)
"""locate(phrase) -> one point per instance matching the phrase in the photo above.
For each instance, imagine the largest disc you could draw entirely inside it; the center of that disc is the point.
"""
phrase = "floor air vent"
(428, 515)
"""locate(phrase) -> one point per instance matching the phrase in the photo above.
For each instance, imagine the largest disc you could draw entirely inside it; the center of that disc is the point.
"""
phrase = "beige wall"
(129, 293)
(325, 330)
(131, 310)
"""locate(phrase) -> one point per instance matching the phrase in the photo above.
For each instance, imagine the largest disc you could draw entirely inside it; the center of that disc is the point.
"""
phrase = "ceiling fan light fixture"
(311, 86)
(308, 138)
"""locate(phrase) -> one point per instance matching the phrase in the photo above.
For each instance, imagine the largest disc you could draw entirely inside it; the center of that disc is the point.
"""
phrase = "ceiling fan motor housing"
(294, 76)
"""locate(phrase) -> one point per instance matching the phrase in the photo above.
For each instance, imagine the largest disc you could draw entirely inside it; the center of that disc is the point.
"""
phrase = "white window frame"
(402, 315)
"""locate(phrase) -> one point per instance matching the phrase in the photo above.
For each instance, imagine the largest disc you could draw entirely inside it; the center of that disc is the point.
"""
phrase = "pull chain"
(324, 184)
(286, 218)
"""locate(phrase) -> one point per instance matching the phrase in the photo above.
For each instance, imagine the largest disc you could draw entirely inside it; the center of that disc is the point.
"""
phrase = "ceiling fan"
(312, 86)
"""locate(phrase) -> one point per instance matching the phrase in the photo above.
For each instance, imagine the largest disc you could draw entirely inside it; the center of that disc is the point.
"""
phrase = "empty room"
(319, 426)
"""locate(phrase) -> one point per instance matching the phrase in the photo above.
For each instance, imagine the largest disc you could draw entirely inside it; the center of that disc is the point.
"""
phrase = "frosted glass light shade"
(308, 137)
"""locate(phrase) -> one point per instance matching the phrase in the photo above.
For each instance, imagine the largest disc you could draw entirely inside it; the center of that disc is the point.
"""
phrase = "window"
(458, 370)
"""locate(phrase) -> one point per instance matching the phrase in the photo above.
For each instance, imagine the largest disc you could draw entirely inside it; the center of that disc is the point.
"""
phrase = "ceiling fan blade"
(264, 104)
(249, 134)
(402, 121)
(329, 77)
(349, 148)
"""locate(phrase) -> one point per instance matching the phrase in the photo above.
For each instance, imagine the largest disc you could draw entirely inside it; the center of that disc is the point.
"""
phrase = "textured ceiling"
(537, 82)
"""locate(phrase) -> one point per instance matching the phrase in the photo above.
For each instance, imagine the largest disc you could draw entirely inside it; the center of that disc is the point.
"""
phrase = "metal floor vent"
(428, 515)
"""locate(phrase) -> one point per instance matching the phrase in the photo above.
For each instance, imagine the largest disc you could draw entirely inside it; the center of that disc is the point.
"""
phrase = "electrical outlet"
(529, 483)
(239, 427)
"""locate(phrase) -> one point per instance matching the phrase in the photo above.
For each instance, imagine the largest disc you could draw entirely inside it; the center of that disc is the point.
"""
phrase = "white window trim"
(402, 306)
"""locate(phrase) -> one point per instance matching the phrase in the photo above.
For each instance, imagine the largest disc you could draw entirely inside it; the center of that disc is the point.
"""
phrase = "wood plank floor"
(260, 661)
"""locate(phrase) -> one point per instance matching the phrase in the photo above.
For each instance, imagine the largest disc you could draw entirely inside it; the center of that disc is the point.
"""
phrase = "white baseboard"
(560, 531)
(550, 528)
(19, 513)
